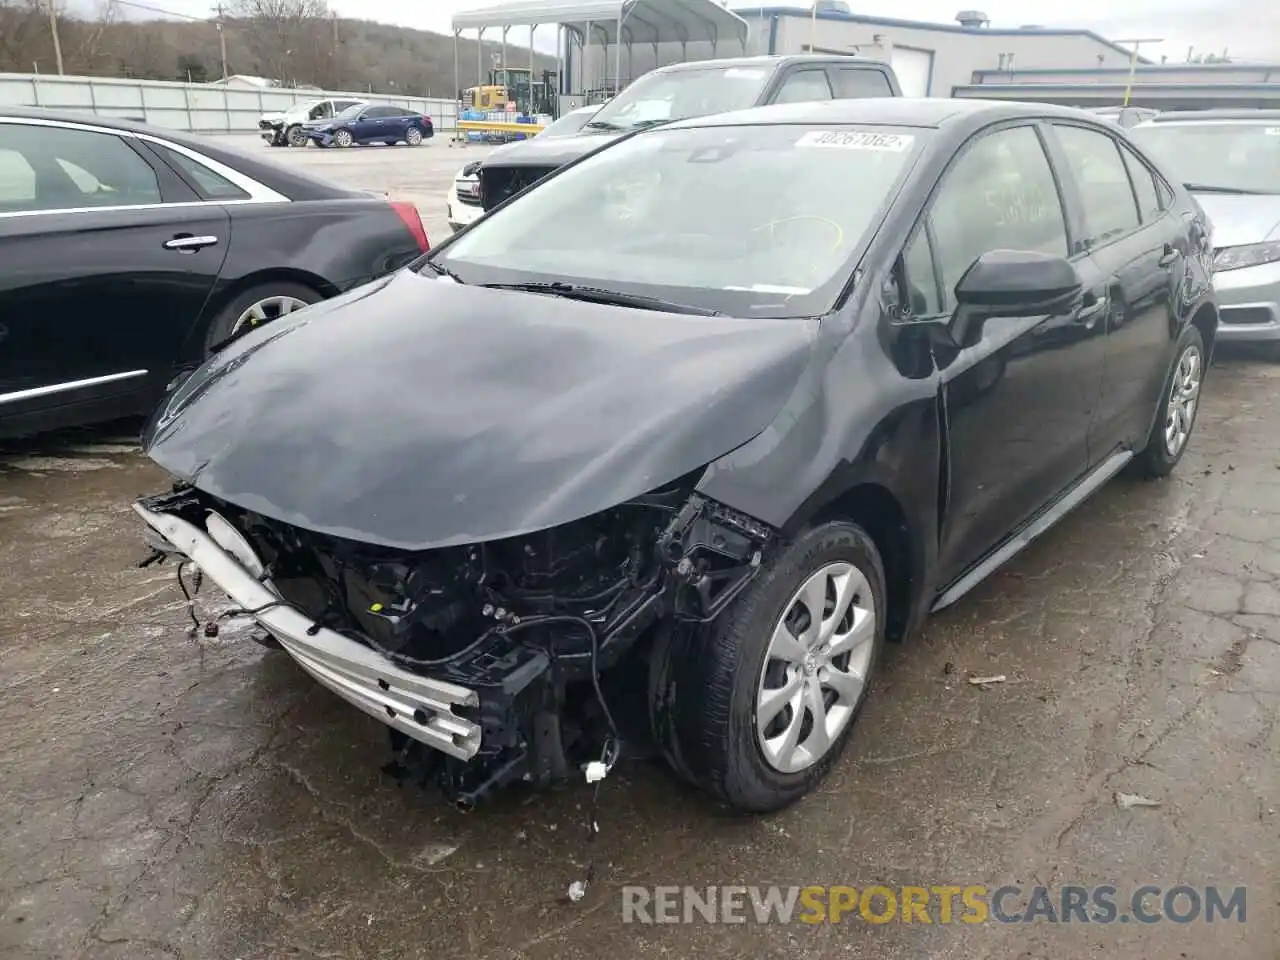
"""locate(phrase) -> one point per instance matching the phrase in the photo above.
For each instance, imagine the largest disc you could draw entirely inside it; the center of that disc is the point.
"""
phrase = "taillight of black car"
(409, 215)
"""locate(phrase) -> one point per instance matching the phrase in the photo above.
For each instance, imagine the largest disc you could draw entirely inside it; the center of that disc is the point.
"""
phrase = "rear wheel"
(343, 138)
(413, 137)
(1179, 404)
(757, 708)
(255, 307)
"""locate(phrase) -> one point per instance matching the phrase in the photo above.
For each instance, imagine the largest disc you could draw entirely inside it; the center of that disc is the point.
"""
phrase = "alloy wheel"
(297, 137)
(1184, 397)
(815, 670)
(343, 138)
(264, 311)
(413, 137)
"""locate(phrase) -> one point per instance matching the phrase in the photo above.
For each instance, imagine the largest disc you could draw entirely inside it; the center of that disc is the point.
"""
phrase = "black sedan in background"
(728, 448)
(127, 252)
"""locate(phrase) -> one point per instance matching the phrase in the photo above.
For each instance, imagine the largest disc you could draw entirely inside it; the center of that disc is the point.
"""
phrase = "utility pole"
(222, 42)
(53, 28)
(1133, 61)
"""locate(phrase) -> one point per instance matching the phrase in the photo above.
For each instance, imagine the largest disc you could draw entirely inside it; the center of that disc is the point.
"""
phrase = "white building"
(931, 59)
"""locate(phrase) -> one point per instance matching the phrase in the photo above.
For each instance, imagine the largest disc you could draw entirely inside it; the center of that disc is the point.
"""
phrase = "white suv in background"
(285, 129)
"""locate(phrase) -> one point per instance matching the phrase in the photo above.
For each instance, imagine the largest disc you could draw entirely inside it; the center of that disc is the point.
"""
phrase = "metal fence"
(197, 107)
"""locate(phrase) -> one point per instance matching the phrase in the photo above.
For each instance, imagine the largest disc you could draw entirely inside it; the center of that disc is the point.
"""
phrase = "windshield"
(568, 125)
(658, 97)
(350, 113)
(1227, 155)
(748, 221)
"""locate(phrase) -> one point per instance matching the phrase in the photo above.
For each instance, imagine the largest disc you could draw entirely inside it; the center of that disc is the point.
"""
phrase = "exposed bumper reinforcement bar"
(417, 706)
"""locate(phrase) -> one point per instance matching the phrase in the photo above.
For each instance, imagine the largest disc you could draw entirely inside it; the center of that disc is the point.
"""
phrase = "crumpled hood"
(1238, 220)
(549, 151)
(422, 413)
(272, 117)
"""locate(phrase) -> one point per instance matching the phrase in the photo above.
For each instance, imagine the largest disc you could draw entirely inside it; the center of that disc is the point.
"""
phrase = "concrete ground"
(421, 174)
(162, 797)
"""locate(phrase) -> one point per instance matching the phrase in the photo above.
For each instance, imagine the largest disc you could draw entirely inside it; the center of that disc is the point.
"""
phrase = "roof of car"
(772, 61)
(1224, 113)
(293, 184)
(891, 111)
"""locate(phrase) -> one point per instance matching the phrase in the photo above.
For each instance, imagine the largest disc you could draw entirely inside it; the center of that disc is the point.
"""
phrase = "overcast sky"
(1249, 28)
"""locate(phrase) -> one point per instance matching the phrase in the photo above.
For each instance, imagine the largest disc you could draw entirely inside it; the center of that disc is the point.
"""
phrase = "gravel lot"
(167, 798)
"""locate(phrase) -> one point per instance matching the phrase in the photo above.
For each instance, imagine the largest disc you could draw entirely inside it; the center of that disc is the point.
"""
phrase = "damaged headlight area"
(493, 662)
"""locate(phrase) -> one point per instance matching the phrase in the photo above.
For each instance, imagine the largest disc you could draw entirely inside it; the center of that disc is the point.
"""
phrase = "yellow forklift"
(514, 85)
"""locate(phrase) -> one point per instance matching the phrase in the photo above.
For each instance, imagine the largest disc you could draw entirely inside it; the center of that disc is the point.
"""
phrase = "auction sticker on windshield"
(850, 140)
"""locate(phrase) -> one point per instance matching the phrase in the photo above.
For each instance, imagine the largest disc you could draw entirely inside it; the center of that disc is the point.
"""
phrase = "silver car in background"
(463, 202)
(1230, 161)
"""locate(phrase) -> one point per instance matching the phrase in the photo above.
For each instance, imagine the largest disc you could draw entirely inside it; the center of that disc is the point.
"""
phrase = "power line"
(167, 13)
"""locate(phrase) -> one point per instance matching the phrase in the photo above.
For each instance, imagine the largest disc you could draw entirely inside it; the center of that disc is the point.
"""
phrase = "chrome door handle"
(1088, 314)
(189, 244)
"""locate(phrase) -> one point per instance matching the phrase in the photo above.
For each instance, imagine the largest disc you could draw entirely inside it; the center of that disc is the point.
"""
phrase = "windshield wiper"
(1214, 188)
(615, 298)
(442, 270)
(601, 125)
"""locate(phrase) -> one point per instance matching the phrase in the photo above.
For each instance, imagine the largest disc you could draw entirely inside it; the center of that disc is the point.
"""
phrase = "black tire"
(347, 139)
(410, 133)
(219, 331)
(1155, 459)
(704, 684)
(295, 137)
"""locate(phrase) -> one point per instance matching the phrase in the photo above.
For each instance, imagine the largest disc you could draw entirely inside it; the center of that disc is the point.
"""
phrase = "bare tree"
(87, 52)
(24, 35)
(280, 35)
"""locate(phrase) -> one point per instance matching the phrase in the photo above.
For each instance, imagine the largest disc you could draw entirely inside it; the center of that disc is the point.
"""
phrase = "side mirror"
(1008, 283)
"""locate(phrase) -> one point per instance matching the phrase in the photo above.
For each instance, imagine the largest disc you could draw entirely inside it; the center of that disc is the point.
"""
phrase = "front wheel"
(295, 136)
(343, 138)
(758, 707)
(1179, 404)
(413, 137)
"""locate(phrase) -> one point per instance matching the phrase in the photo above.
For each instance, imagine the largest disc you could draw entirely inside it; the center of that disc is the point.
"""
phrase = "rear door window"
(1144, 185)
(802, 86)
(854, 83)
(210, 185)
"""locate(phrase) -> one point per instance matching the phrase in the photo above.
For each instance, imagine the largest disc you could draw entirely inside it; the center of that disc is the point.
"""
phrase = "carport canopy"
(613, 21)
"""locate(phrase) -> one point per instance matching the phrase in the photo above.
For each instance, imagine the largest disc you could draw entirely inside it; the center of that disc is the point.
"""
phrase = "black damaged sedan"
(664, 449)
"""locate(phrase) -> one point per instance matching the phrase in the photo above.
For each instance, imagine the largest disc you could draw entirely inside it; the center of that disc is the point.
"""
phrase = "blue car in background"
(371, 123)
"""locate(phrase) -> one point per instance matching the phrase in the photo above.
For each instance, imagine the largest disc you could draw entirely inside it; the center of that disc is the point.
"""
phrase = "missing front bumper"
(418, 707)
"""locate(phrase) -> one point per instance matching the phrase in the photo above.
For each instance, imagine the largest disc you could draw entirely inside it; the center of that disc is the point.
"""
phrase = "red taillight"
(408, 213)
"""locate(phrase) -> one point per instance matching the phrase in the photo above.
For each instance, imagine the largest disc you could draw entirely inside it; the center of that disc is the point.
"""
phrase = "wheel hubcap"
(414, 136)
(815, 670)
(1184, 397)
(264, 311)
(343, 138)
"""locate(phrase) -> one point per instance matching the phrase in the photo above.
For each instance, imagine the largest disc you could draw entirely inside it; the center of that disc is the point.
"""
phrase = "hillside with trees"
(295, 42)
